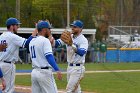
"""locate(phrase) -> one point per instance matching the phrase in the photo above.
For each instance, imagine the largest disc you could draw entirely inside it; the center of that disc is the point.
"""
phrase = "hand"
(34, 33)
(3, 83)
(59, 75)
(3, 46)
(52, 40)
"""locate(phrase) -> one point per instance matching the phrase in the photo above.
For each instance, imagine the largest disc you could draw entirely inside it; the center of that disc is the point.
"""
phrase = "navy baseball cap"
(12, 21)
(43, 24)
(77, 23)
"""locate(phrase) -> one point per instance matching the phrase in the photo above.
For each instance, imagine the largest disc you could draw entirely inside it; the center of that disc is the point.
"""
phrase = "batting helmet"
(12, 21)
(77, 23)
(43, 24)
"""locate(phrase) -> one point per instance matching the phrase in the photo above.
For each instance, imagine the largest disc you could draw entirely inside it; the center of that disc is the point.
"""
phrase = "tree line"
(115, 12)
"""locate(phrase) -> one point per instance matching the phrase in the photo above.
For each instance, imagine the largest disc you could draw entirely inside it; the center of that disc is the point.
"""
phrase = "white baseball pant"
(8, 70)
(43, 81)
(74, 76)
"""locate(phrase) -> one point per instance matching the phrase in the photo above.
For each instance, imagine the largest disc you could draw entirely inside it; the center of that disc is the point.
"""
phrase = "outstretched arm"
(34, 33)
(55, 43)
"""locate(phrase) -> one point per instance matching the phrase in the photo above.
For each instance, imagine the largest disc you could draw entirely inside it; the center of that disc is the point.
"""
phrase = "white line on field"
(98, 71)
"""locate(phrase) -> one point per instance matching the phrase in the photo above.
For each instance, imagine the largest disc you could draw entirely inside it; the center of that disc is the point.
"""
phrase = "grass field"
(113, 82)
(93, 66)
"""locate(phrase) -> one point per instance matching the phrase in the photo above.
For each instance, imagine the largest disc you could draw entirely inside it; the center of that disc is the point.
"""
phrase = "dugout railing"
(121, 35)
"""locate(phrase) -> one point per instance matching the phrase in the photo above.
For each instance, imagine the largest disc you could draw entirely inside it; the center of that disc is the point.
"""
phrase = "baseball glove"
(66, 37)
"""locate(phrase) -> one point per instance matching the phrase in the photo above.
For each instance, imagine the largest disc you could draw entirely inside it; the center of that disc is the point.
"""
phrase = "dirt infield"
(23, 89)
(27, 89)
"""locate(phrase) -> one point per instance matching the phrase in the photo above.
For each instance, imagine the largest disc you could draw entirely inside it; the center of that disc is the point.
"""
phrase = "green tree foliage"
(116, 12)
(98, 35)
(26, 16)
(7, 9)
(53, 10)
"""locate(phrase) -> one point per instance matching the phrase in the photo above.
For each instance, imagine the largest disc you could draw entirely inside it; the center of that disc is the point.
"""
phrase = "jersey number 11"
(33, 51)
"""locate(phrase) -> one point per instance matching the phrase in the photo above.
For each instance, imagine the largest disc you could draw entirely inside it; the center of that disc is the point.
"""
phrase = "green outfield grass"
(113, 82)
(93, 66)
(99, 82)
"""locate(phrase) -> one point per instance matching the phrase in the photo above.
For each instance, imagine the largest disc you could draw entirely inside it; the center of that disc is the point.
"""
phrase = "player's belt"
(71, 64)
(7, 62)
(47, 67)
(44, 67)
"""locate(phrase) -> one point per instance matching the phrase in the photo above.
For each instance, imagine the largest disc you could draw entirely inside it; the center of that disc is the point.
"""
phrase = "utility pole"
(18, 9)
(68, 14)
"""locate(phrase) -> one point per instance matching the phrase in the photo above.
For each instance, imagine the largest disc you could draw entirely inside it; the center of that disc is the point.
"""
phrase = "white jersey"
(39, 47)
(13, 41)
(81, 42)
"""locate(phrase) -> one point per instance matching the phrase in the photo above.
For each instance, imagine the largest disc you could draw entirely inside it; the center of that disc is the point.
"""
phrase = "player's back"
(38, 47)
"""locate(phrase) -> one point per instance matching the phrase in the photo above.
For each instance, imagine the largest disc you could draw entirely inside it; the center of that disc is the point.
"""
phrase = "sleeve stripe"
(83, 49)
(59, 42)
(24, 43)
(48, 53)
(1, 74)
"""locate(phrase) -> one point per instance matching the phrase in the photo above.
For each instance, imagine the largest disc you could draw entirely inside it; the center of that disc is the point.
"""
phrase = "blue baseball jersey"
(13, 41)
(39, 47)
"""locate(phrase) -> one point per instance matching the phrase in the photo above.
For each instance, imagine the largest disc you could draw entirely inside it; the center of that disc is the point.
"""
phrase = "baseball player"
(43, 61)
(77, 46)
(10, 55)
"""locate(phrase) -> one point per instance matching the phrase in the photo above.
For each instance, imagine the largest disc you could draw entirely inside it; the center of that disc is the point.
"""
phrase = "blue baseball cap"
(43, 24)
(12, 21)
(77, 23)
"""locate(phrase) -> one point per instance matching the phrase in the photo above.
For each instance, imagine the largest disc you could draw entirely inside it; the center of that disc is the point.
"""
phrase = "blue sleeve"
(52, 62)
(81, 51)
(1, 74)
(28, 41)
(57, 43)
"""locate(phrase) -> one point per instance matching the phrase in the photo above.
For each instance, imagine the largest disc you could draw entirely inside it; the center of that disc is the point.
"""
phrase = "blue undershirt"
(1, 74)
(52, 62)
(57, 43)
(80, 51)
(28, 41)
